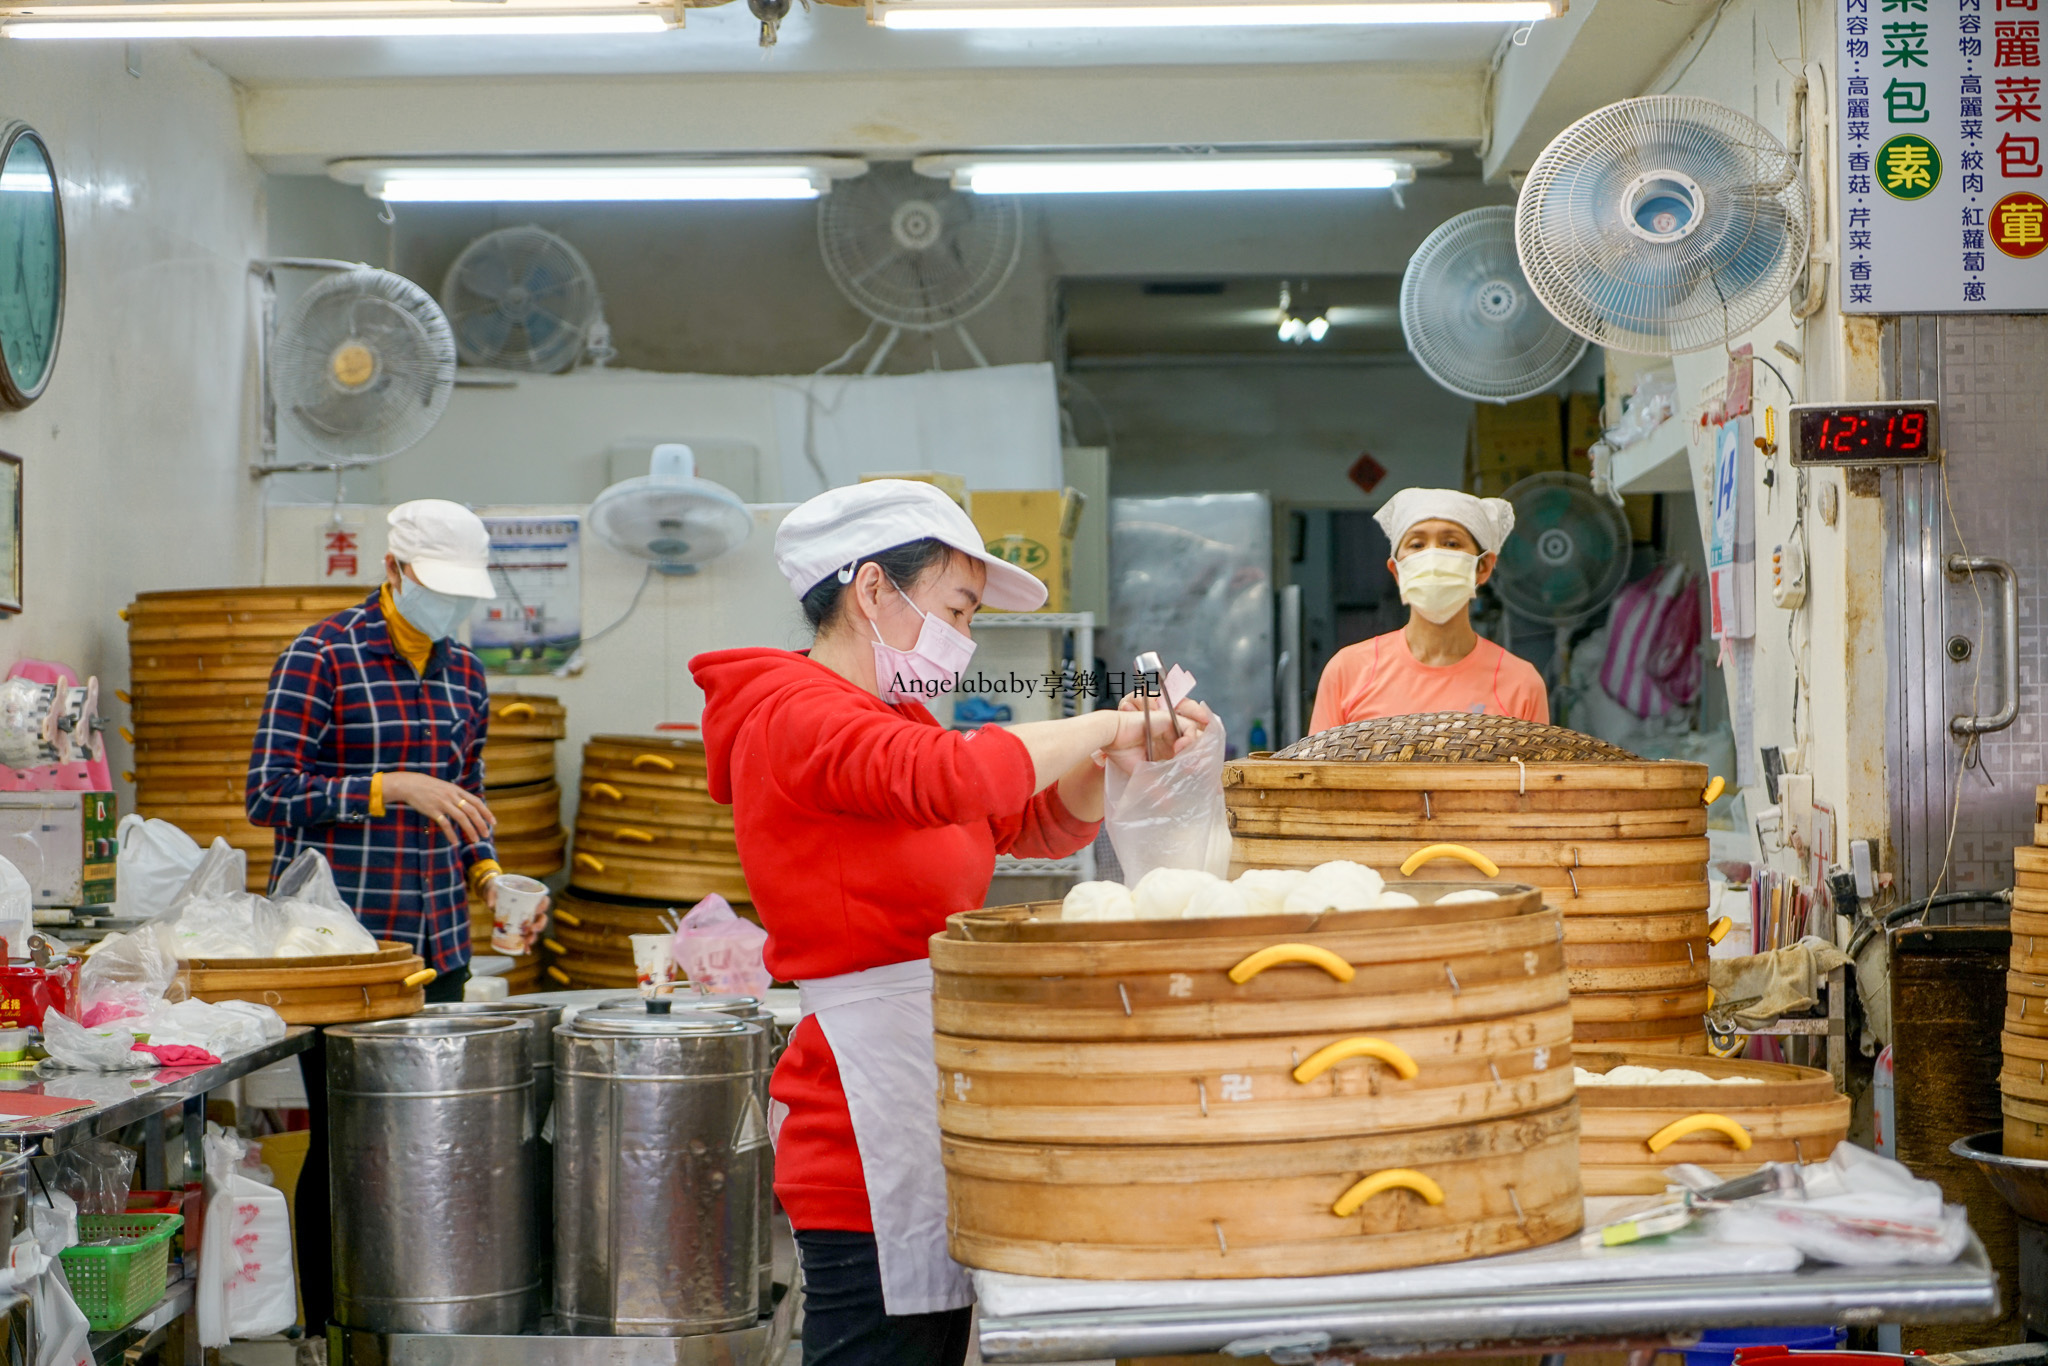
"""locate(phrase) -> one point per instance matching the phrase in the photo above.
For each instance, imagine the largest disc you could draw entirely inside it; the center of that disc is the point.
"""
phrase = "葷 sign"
(1940, 156)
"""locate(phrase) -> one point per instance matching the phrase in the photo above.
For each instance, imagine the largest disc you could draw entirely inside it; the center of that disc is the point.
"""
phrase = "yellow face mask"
(1437, 583)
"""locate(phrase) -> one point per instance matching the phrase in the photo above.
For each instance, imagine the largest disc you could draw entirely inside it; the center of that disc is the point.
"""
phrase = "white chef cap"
(1488, 519)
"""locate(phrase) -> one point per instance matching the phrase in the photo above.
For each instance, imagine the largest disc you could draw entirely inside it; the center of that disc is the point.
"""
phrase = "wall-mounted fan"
(524, 299)
(1567, 558)
(362, 365)
(671, 517)
(915, 254)
(1471, 320)
(1663, 224)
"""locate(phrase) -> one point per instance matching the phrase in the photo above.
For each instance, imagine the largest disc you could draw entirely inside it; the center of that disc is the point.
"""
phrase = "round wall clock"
(31, 265)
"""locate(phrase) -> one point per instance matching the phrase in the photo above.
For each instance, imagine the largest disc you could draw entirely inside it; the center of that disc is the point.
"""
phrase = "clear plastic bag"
(720, 952)
(1170, 814)
(107, 1048)
(125, 975)
(97, 1175)
(214, 916)
(156, 860)
(316, 922)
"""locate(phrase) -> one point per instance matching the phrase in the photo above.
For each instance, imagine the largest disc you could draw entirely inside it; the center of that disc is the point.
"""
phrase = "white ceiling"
(832, 39)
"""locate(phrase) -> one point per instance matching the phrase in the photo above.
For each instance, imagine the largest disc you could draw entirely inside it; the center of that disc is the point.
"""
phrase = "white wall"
(134, 463)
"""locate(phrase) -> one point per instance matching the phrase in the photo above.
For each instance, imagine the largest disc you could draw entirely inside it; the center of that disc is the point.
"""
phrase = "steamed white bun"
(1469, 894)
(1164, 893)
(1336, 886)
(1392, 901)
(1217, 898)
(1099, 901)
(1265, 889)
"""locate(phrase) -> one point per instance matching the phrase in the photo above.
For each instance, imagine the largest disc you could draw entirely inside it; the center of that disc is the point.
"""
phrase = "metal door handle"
(2009, 603)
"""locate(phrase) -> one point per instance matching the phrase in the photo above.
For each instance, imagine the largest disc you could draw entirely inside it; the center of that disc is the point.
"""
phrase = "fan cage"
(1448, 333)
(1529, 578)
(1611, 282)
(412, 372)
(868, 250)
(521, 298)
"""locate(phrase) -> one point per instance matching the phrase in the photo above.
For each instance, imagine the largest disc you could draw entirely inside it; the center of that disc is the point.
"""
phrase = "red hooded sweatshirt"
(861, 827)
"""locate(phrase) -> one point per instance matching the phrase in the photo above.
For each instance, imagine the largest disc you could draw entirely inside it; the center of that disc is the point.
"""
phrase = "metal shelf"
(147, 1332)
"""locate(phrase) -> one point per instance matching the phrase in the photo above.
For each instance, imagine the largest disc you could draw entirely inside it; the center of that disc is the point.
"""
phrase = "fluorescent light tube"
(1176, 174)
(643, 180)
(285, 19)
(914, 15)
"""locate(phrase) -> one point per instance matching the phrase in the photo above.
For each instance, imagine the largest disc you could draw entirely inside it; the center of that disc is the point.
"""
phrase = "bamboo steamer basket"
(1244, 1090)
(527, 811)
(1502, 958)
(1788, 1114)
(655, 879)
(588, 944)
(2026, 1127)
(332, 990)
(541, 857)
(1618, 847)
(527, 716)
(646, 827)
(1135, 1212)
(517, 763)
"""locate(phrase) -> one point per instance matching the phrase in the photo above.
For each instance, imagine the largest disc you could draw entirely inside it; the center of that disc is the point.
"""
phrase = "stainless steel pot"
(754, 1011)
(659, 1139)
(431, 1173)
(540, 1017)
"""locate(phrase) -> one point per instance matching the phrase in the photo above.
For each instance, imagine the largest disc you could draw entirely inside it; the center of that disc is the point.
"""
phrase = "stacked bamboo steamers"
(1270, 1095)
(199, 663)
(2023, 1080)
(520, 785)
(649, 841)
(1617, 845)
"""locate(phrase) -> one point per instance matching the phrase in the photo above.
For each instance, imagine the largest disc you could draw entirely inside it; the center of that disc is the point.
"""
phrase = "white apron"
(879, 1024)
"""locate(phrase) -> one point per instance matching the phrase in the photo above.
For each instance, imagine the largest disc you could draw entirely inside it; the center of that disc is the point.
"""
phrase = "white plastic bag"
(1169, 814)
(316, 922)
(17, 909)
(1859, 1209)
(246, 1285)
(109, 1048)
(154, 861)
(125, 975)
(214, 916)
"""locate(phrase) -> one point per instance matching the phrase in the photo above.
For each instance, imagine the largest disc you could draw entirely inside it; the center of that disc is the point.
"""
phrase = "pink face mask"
(930, 667)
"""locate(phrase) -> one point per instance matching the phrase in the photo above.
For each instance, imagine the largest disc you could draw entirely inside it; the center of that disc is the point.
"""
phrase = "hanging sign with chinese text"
(1940, 154)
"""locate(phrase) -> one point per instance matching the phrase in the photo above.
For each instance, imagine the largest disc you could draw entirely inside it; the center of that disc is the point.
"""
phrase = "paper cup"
(516, 919)
(652, 965)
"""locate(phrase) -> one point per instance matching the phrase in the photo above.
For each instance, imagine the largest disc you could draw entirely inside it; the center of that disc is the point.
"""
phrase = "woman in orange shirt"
(1446, 544)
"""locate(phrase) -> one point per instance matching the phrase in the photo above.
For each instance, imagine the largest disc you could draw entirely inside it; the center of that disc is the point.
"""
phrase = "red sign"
(1366, 472)
(340, 552)
(2019, 225)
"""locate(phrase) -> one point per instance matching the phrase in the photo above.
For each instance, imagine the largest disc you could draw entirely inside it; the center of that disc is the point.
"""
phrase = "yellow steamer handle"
(1292, 953)
(1693, 1124)
(558, 974)
(1485, 865)
(590, 861)
(665, 764)
(420, 978)
(606, 791)
(1393, 1178)
(568, 917)
(627, 834)
(518, 711)
(1714, 791)
(1718, 931)
(1323, 1059)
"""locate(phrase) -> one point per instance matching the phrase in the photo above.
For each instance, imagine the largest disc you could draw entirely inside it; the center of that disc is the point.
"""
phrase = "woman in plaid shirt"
(370, 748)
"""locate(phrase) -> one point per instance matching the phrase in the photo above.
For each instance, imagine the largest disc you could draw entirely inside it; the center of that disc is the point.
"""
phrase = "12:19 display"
(1864, 433)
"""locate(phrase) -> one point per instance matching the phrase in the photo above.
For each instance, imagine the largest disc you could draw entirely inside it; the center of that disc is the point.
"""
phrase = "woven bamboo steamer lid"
(1262, 1209)
(1248, 1089)
(527, 716)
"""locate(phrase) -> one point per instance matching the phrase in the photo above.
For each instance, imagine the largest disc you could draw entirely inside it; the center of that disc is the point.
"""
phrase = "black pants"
(843, 1320)
(313, 1233)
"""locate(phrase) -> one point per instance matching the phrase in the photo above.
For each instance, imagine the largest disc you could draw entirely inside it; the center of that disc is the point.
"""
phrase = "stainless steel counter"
(1535, 1319)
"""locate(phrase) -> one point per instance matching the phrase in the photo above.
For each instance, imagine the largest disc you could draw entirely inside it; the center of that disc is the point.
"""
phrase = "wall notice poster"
(1940, 157)
(536, 621)
(1731, 545)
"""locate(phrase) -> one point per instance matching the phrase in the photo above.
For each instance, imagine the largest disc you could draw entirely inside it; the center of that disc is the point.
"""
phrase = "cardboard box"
(1528, 433)
(1581, 429)
(63, 843)
(1034, 530)
(954, 486)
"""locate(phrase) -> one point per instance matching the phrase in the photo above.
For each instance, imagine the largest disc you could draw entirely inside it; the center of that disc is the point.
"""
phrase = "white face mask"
(439, 615)
(928, 668)
(1437, 583)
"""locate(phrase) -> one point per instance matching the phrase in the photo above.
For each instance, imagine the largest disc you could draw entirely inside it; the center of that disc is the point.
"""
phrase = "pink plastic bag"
(718, 951)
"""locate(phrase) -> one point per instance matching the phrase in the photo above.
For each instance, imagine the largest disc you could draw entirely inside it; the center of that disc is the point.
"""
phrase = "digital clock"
(1865, 433)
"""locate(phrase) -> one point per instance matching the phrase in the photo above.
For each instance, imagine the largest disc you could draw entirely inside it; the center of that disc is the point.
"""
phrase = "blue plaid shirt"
(344, 706)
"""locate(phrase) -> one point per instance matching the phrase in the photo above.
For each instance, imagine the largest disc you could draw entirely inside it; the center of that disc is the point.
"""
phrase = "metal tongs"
(1148, 667)
(1775, 1178)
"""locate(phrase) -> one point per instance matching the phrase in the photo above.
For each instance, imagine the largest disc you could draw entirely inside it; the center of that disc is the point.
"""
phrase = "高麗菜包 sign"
(1944, 191)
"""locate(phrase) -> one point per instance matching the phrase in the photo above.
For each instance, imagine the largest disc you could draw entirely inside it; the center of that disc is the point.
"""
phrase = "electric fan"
(1663, 224)
(915, 254)
(524, 299)
(1567, 558)
(363, 365)
(1471, 321)
(670, 516)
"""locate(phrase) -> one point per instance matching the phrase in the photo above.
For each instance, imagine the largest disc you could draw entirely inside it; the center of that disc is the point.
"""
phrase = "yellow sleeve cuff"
(480, 874)
(376, 795)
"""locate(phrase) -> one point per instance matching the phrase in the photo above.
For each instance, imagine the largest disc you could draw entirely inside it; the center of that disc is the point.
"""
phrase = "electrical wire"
(1699, 46)
(574, 663)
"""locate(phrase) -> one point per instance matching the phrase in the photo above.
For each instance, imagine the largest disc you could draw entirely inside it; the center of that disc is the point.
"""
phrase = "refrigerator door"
(1192, 578)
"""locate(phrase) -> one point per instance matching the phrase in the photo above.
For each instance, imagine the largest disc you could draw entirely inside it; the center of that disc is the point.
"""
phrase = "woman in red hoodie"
(862, 825)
